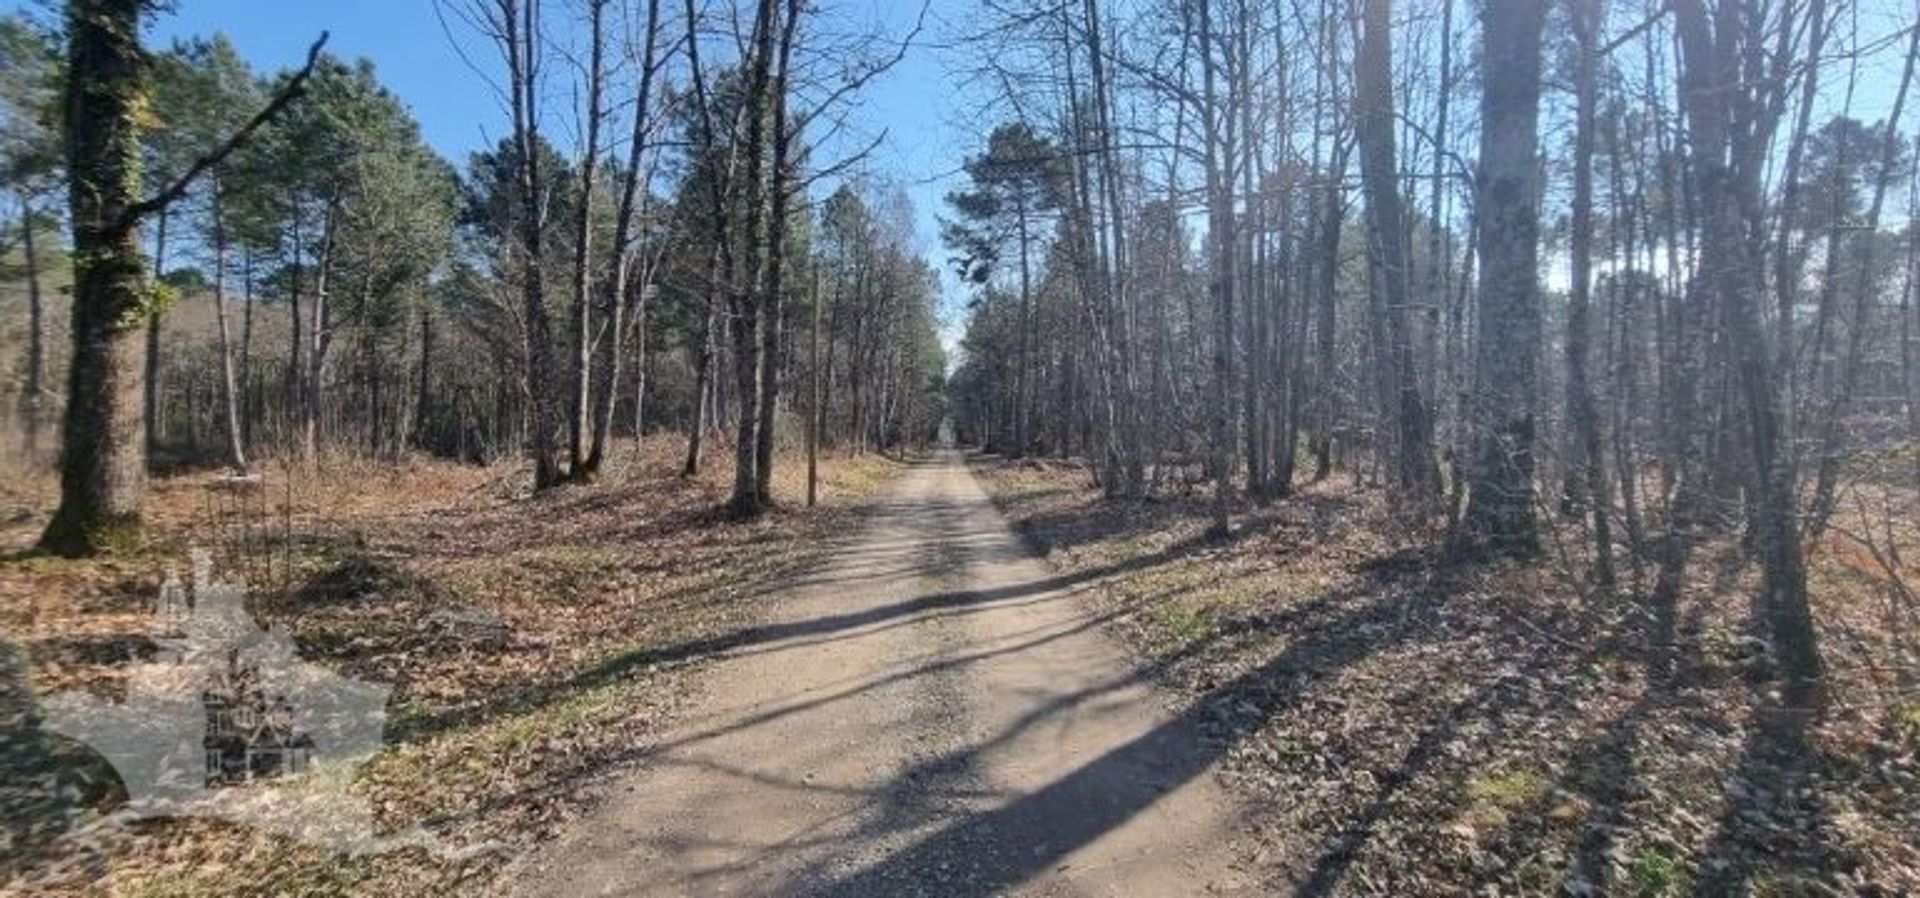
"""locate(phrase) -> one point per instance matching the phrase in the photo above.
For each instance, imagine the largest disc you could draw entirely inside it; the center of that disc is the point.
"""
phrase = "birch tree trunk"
(229, 391)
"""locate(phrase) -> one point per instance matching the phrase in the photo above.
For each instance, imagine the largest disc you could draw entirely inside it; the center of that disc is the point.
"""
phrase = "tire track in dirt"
(932, 713)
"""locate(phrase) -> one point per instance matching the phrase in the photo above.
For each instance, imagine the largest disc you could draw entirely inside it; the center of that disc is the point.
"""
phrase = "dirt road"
(933, 713)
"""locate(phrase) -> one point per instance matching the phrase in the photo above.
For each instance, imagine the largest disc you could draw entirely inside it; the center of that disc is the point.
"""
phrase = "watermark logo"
(228, 722)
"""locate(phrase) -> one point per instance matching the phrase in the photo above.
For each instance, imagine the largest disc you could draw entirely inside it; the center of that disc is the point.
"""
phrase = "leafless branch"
(294, 90)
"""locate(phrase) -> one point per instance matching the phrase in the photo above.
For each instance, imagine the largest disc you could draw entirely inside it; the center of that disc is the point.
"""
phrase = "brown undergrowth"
(1408, 725)
(534, 644)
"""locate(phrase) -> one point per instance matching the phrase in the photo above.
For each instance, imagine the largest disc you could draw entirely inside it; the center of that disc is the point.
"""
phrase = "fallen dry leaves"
(1404, 725)
(534, 643)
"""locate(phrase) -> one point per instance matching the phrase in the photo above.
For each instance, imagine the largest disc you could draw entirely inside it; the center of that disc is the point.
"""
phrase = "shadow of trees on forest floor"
(1538, 742)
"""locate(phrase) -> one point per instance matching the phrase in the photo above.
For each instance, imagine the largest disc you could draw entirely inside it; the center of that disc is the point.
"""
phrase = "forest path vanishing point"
(931, 713)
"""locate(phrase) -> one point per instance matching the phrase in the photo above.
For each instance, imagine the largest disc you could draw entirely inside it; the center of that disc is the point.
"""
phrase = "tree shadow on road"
(988, 852)
(772, 637)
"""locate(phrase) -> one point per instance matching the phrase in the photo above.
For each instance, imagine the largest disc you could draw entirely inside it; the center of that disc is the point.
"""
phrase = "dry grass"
(583, 607)
(1410, 725)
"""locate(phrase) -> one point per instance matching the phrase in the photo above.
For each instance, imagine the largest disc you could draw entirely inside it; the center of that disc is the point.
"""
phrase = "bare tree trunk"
(295, 387)
(423, 398)
(745, 299)
(1710, 67)
(1123, 412)
(631, 199)
(814, 410)
(639, 373)
(1787, 263)
(1289, 323)
(150, 383)
(229, 393)
(519, 23)
(1417, 475)
(1625, 365)
(1220, 285)
(773, 288)
(1332, 214)
(1438, 261)
(1586, 472)
(1324, 255)
(1253, 412)
(703, 372)
(1500, 508)
(321, 338)
(1909, 365)
(741, 298)
(33, 395)
(579, 421)
(1022, 372)
(246, 347)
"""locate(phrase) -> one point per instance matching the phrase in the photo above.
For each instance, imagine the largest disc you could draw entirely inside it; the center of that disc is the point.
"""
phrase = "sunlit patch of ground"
(1409, 725)
(534, 644)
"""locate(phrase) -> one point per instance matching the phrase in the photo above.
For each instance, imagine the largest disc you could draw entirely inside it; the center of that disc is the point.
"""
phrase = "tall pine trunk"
(320, 338)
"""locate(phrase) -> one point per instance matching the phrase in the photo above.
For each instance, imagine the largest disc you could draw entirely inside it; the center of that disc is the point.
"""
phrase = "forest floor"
(1409, 725)
(535, 646)
(892, 694)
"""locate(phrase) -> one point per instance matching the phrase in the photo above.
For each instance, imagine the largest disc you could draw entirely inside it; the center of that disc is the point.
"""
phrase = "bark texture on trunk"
(522, 43)
(579, 422)
(102, 461)
(1415, 469)
(1500, 505)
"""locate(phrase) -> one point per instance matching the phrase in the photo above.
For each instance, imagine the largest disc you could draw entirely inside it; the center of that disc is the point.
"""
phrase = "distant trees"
(30, 158)
(330, 284)
(882, 367)
(1666, 290)
(1015, 187)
